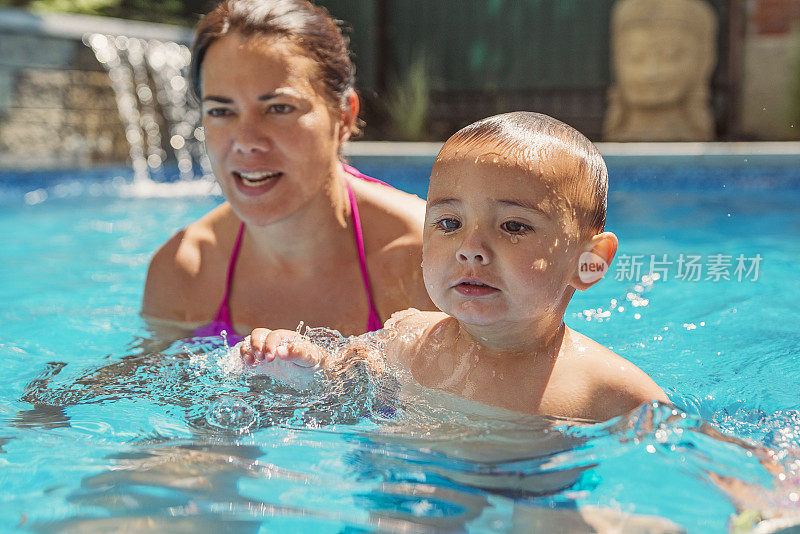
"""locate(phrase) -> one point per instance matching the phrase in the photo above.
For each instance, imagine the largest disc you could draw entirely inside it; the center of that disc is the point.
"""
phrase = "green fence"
(490, 56)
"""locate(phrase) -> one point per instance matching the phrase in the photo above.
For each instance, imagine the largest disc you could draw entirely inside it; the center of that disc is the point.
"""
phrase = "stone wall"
(57, 108)
(769, 103)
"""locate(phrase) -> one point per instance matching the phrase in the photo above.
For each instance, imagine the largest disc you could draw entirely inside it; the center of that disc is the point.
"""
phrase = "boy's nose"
(473, 250)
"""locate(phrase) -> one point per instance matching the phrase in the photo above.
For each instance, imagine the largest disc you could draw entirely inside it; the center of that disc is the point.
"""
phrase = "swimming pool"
(121, 431)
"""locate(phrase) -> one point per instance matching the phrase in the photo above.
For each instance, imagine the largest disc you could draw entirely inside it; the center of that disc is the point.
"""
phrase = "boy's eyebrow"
(440, 201)
(517, 203)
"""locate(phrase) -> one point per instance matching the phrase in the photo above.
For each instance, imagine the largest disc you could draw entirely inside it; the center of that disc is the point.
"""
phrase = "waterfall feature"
(149, 78)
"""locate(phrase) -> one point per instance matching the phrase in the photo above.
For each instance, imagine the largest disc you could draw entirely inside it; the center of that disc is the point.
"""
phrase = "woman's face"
(270, 134)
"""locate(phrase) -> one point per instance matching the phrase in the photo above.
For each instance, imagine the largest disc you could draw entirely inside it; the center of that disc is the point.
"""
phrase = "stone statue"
(663, 54)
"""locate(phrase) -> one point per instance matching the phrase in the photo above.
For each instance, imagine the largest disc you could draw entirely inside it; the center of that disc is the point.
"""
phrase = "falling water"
(150, 83)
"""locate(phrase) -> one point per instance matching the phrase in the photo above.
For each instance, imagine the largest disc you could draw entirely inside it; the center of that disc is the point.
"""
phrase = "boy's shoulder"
(605, 384)
(415, 322)
(408, 329)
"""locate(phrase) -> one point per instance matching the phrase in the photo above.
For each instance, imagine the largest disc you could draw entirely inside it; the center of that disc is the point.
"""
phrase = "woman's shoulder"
(186, 277)
(392, 222)
(389, 209)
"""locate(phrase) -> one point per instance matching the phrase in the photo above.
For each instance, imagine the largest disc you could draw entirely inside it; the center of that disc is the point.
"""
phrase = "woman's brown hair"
(308, 26)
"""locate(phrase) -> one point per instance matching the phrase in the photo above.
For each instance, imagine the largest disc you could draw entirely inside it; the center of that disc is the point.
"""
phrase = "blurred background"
(425, 68)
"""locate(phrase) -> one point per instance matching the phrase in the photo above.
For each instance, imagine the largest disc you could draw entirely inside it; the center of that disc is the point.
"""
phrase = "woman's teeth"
(256, 178)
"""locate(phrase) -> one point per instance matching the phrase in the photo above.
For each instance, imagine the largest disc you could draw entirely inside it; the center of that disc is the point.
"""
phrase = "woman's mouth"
(255, 183)
(256, 179)
(474, 288)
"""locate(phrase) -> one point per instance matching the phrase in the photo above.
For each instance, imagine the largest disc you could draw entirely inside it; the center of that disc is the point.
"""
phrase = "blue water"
(102, 425)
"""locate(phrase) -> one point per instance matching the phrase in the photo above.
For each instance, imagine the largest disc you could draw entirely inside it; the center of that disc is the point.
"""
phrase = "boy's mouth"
(474, 288)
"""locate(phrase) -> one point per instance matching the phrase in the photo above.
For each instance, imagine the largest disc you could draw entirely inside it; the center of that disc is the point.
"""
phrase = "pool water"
(101, 426)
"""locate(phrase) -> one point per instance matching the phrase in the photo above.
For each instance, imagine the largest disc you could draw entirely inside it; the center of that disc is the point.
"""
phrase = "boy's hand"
(264, 345)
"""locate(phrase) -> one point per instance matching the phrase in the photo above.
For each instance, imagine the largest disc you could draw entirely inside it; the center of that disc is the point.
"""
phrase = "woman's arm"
(164, 300)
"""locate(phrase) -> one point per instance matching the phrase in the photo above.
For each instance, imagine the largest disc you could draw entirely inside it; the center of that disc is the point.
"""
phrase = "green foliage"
(186, 12)
(90, 7)
(408, 102)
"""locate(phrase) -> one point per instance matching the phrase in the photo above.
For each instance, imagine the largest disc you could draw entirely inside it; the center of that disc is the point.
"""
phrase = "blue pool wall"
(632, 166)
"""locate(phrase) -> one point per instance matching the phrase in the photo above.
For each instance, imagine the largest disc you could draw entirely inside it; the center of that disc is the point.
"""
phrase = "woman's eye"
(448, 225)
(218, 112)
(514, 227)
(281, 109)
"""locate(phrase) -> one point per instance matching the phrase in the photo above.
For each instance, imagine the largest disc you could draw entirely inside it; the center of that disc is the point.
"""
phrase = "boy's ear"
(349, 116)
(594, 260)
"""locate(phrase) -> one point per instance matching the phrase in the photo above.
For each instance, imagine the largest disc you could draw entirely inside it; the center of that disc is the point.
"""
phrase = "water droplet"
(224, 335)
(177, 142)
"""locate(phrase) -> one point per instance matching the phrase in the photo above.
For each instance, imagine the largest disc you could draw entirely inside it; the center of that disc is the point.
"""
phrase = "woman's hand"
(264, 345)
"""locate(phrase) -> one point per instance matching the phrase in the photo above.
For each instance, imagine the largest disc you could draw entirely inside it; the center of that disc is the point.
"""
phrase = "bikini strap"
(224, 313)
(352, 171)
(373, 321)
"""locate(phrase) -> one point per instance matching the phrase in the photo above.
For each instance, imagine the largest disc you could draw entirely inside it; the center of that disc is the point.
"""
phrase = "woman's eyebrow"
(280, 92)
(261, 98)
(219, 99)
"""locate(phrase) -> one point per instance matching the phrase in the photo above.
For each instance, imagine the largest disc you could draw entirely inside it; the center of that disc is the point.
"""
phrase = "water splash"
(232, 414)
(150, 84)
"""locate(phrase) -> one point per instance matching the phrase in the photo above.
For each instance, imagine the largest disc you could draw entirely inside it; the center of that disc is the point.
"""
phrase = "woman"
(301, 237)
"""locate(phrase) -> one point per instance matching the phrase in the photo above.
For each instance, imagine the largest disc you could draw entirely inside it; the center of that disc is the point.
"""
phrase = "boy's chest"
(532, 391)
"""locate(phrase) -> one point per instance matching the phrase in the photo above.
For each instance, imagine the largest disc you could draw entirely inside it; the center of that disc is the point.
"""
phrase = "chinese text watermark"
(688, 267)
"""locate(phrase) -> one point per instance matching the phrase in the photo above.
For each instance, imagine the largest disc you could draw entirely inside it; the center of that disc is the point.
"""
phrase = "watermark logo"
(591, 267)
(689, 267)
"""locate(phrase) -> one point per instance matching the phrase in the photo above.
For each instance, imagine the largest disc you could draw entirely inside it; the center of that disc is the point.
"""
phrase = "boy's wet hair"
(527, 136)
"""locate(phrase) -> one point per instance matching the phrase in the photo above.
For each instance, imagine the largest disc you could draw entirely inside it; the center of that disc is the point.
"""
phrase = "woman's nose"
(251, 137)
(473, 249)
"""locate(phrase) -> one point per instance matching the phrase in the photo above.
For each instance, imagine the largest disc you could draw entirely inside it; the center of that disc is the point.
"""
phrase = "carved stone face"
(658, 65)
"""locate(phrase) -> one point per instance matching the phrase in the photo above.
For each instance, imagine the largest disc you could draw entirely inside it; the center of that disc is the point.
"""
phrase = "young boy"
(514, 225)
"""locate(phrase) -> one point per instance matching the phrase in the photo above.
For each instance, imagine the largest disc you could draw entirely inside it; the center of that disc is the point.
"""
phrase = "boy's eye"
(514, 227)
(281, 109)
(448, 225)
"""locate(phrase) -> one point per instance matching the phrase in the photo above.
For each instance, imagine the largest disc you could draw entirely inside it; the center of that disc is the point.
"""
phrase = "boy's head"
(515, 203)
(550, 151)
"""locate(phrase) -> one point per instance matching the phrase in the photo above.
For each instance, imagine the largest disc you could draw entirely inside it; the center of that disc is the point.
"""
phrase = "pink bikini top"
(222, 321)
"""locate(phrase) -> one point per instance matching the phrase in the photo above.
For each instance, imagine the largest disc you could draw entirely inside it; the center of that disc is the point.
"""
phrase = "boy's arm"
(281, 354)
(294, 358)
(264, 345)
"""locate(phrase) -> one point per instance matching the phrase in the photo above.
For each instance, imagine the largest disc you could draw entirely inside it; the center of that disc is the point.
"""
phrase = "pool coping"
(617, 155)
(761, 153)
